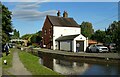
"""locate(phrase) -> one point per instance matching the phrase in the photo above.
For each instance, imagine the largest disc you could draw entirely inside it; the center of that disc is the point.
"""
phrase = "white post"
(87, 41)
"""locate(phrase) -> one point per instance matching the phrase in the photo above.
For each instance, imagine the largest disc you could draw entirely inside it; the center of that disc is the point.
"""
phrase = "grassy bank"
(8, 58)
(9, 63)
(0, 62)
(31, 62)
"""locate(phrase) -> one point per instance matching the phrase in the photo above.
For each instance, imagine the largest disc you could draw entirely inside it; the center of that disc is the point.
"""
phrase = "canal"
(68, 66)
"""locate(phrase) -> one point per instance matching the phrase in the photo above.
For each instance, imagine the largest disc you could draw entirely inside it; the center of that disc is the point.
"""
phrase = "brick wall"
(47, 33)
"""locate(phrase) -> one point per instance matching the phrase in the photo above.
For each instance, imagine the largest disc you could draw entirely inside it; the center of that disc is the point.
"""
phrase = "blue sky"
(28, 17)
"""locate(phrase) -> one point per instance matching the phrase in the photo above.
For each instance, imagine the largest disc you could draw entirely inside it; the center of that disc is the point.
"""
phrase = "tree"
(86, 29)
(33, 38)
(111, 31)
(99, 36)
(6, 24)
(39, 33)
(39, 36)
(16, 34)
(26, 36)
(0, 26)
(116, 36)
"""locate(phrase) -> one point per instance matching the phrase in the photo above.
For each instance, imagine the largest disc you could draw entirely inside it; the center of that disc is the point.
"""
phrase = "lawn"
(8, 58)
(9, 63)
(0, 62)
(31, 62)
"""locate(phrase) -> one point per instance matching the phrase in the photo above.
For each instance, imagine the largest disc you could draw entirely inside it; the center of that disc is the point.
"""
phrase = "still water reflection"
(65, 67)
(79, 68)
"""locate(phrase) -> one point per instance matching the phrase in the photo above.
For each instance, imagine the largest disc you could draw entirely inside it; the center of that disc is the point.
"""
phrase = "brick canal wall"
(86, 57)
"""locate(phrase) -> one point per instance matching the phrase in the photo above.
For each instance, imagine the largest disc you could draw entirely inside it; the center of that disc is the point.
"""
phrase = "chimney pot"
(65, 14)
(58, 13)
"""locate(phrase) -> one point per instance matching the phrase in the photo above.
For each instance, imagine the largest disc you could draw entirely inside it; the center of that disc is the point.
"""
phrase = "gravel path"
(18, 68)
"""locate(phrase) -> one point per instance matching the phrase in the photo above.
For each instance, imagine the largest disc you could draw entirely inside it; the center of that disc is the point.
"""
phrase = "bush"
(35, 45)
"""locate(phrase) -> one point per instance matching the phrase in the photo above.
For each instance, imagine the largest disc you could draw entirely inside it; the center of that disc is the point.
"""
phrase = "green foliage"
(116, 37)
(99, 36)
(0, 11)
(35, 45)
(26, 36)
(33, 38)
(6, 24)
(111, 31)
(39, 33)
(111, 35)
(86, 29)
(16, 34)
(107, 39)
(0, 16)
(8, 58)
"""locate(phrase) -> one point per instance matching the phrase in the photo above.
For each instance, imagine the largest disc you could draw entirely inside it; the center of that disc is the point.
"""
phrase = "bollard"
(22, 49)
(107, 58)
(5, 62)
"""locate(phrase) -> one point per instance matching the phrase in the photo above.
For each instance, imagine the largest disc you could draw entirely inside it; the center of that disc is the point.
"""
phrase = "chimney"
(58, 13)
(65, 14)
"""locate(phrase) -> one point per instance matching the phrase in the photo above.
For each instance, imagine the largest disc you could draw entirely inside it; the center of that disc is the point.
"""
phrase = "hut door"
(79, 46)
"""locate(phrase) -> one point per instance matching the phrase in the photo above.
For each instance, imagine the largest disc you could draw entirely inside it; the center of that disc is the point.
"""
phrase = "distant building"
(92, 42)
(63, 33)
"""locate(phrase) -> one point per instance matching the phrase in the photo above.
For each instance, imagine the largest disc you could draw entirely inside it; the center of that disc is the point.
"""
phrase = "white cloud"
(30, 12)
(27, 6)
(33, 15)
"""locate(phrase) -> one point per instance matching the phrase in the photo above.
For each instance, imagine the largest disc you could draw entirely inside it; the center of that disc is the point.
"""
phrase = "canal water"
(68, 67)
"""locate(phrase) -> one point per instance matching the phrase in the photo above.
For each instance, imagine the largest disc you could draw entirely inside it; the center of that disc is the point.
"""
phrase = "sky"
(29, 17)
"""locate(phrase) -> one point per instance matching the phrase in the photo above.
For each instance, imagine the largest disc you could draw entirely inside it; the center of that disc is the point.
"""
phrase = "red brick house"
(56, 27)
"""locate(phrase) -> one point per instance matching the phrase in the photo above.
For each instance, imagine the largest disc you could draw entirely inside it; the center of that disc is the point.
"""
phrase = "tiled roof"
(69, 37)
(62, 21)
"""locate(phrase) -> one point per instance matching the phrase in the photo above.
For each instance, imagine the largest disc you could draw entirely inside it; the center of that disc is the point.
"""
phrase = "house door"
(79, 46)
(58, 45)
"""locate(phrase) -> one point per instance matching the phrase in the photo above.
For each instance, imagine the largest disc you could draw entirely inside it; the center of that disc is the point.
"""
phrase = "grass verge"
(31, 62)
(8, 58)
(0, 62)
(9, 63)
(0, 66)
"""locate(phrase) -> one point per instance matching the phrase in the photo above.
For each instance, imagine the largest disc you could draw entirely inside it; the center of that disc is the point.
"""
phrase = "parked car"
(111, 47)
(98, 48)
(88, 49)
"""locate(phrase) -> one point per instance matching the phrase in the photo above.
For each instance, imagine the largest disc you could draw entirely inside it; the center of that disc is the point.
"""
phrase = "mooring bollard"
(107, 58)
(5, 62)
(22, 49)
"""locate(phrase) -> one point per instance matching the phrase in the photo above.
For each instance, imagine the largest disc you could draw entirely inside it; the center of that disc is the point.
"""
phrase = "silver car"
(98, 48)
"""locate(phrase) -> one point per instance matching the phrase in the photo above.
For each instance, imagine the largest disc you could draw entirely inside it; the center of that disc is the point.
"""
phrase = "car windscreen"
(99, 45)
